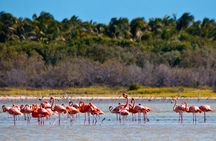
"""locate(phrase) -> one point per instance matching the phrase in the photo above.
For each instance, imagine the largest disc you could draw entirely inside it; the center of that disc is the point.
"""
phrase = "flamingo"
(133, 109)
(74, 105)
(124, 113)
(46, 104)
(57, 108)
(5, 108)
(14, 111)
(72, 111)
(26, 110)
(180, 109)
(120, 107)
(40, 113)
(85, 108)
(141, 109)
(115, 110)
(206, 108)
(193, 109)
(96, 110)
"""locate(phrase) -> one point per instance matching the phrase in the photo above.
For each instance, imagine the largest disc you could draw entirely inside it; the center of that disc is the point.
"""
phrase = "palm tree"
(8, 25)
(208, 28)
(184, 21)
(138, 27)
(119, 28)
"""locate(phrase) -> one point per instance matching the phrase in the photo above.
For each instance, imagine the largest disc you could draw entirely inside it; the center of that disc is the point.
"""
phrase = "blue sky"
(103, 10)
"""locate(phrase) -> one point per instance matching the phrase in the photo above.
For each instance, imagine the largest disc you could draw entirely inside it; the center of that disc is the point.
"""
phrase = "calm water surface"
(162, 126)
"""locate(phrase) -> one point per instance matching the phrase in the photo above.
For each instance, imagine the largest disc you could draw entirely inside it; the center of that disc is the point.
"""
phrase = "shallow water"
(162, 125)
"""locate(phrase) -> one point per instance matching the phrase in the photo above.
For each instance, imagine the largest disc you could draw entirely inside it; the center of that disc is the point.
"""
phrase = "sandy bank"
(2, 98)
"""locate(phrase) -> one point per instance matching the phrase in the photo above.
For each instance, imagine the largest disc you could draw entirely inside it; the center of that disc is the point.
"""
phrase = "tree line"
(168, 51)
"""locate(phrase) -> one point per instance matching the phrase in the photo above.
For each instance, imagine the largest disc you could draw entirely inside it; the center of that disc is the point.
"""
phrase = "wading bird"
(180, 109)
(14, 111)
(57, 108)
(206, 108)
(193, 109)
(120, 109)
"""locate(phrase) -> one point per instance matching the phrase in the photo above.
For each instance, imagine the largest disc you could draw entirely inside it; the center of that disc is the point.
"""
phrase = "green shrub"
(133, 87)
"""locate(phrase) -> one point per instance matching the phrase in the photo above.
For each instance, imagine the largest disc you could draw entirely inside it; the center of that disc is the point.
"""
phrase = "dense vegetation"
(168, 51)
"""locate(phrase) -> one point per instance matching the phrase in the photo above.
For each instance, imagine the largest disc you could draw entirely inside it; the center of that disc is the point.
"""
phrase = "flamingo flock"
(122, 110)
(45, 110)
(181, 108)
(139, 112)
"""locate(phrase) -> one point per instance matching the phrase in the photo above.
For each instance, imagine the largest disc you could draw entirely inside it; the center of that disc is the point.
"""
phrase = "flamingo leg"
(89, 117)
(182, 118)
(193, 118)
(38, 121)
(205, 117)
(139, 117)
(28, 118)
(179, 116)
(71, 119)
(59, 115)
(144, 117)
(14, 120)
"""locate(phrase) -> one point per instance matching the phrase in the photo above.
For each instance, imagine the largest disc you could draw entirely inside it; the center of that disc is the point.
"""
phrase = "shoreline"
(3, 98)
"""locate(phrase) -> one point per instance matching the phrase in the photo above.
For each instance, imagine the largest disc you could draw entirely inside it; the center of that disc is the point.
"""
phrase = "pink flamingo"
(72, 111)
(74, 105)
(132, 110)
(85, 108)
(145, 110)
(26, 110)
(180, 109)
(96, 110)
(205, 108)
(141, 109)
(57, 108)
(40, 113)
(124, 113)
(193, 110)
(14, 111)
(120, 107)
(46, 104)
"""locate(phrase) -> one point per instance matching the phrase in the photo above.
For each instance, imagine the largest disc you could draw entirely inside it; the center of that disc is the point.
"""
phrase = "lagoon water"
(162, 125)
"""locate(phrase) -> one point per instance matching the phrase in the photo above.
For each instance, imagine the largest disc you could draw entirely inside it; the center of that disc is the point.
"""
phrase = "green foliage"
(158, 49)
(133, 87)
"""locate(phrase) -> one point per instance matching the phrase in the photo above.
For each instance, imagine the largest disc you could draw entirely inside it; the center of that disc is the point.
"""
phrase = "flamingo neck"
(185, 104)
(70, 103)
(126, 102)
(52, 105)
(4, 108)
(133, 102)
(110, 108)
(174, 104)
(81, 103)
